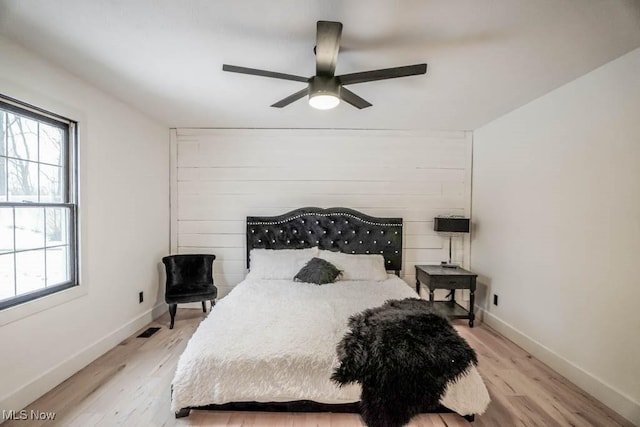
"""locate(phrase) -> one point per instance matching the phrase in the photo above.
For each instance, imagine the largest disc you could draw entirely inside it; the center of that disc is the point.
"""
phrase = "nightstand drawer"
(455, 282)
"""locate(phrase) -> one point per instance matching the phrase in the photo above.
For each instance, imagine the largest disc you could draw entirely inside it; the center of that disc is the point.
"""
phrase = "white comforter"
(275, 341)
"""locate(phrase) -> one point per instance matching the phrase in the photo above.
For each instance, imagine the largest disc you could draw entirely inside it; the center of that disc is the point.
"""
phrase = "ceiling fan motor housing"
(320, 85)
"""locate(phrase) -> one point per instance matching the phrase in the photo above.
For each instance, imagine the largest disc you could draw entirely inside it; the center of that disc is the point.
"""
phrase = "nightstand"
(438, 277)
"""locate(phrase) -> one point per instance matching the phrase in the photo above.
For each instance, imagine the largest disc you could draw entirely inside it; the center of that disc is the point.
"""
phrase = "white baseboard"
(614, 399)
(35, 389)
(159, 310)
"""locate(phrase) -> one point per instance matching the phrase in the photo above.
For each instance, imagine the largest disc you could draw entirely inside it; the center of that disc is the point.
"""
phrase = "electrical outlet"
(495, 299)
(140, 297)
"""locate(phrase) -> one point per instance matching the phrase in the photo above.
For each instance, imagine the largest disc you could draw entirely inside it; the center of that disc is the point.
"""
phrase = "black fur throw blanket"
(403, 355)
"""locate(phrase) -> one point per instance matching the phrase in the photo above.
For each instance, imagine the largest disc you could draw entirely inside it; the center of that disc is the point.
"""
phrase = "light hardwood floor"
(129, 386)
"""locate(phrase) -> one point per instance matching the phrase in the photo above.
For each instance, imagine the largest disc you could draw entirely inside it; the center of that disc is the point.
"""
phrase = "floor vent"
(148, 332)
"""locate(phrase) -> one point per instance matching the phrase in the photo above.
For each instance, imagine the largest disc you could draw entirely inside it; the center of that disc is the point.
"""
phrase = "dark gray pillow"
(318, 271)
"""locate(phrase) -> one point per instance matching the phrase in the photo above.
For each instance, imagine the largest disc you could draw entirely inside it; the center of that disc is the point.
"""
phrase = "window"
(38, 203)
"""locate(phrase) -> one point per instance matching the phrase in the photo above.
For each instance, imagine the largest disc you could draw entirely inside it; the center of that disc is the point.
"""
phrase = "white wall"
(124, 210)
(556, 201)
(221, 176)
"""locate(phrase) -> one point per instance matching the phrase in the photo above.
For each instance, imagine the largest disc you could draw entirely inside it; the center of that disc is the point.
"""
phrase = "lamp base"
(444, 264)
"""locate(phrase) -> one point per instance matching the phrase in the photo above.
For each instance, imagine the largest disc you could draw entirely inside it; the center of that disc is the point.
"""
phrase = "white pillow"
(357, 267)
(278, 264)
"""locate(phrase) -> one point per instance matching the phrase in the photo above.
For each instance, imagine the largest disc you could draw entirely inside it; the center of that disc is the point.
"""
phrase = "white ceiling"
(486, 57)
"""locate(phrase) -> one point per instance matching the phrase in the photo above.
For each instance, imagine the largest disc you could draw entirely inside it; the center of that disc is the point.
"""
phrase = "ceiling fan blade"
(291, 98)
(386, 73)
(327, 47)
(349, 97)
(263, 73)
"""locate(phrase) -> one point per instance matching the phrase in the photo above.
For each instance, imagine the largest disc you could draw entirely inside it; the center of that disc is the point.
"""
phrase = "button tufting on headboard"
(327, 226)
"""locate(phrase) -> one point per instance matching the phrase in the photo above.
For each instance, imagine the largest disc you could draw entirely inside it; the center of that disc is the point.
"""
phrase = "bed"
(273, 340)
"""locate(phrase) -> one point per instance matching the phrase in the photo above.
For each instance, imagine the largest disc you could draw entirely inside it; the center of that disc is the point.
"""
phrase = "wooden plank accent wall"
(219, 176)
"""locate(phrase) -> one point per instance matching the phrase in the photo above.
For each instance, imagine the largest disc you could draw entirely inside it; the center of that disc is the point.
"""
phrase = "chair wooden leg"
(213, 302)
(204, 306)
(172, 312)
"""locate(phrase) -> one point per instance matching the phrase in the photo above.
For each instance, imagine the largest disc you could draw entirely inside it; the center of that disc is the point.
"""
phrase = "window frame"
(69, 165)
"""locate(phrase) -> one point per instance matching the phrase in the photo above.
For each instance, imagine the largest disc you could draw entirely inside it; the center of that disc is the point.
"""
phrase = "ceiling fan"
(325, 89)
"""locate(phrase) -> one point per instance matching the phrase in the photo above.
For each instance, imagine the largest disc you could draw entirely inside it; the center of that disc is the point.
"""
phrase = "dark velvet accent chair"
(189, 279)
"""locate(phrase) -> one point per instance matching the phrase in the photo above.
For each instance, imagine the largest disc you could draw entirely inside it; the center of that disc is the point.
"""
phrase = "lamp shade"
(451, 224)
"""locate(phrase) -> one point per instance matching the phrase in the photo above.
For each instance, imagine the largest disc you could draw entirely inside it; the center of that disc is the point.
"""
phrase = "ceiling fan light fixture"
(324, 93)
(323, 101)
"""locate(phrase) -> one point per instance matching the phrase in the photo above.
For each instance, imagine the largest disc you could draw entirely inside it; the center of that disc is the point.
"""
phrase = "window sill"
(29, 308)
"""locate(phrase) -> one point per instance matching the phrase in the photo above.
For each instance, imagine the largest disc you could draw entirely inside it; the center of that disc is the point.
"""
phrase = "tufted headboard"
(335, 229)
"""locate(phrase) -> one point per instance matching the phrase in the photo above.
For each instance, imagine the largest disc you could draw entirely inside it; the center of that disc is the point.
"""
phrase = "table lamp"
(451, 225)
